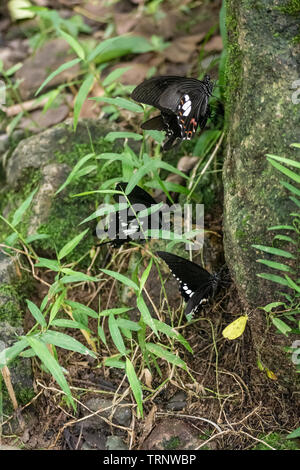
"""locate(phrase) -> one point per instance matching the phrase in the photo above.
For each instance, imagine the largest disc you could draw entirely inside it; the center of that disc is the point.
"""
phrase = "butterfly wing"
(192, 111)
(151, 90)
(200, 297)
(182, 101)
(136, 196)
(190, 275)
(165, 122)
(127, 226)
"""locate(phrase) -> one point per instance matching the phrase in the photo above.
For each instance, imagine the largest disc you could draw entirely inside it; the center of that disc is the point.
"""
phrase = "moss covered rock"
(262, 66)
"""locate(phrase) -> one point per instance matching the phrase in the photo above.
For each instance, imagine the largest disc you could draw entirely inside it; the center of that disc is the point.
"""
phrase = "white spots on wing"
(131, 230)
(187, 112)
(186, 105)
(124, 224)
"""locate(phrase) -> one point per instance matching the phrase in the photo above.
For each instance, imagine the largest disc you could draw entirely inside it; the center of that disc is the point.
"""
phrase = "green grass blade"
(275, 265)
(172, 333)
(66, 342)
(76, 46)
(273, 278)
(135, 385)
(36, 313)
(41, 350)
(81, 96)
(116, 334)
(281, 326)
(274, 251)
(60, 69)
(69, 247)
(163, 353)
(18, 215)
(8, 354)
(120, 103)
(289, 173)
(121, 278)
(146, 315)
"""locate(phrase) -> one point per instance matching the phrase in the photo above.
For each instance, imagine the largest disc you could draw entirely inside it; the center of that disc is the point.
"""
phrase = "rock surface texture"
(263, 69)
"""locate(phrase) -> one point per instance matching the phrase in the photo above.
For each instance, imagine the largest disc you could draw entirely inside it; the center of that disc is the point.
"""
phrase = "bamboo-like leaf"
(36, 313)
(137, 176)
(105, 210)
(65, 323)
(57, 305)
(112, 136)
(8, 354)
(118, 46)
(60, 69)
(135, 385)
(273, 278)
(120, 103)
(76, 306)
(116, 334)
(48, 263)
(145, 275)
(81, 96)
(163, 353)
(79, 277)
(281, 227)
(121, 278)
(294, 434)
(51, 364)
(285, 238)
(281, 326)
(146, 315)
(291, 188)
(128, 324)
(75, 171)
(76, 46)
(69, 247)
(274, 251)
(174, 187)
(289, 173)
(288, 161)
(66, 342)
(113, 362)
(275, 265)
(114, 311)
(114, 75)
(292, 284)
(270, 306)
(18, 215)
(101, 334)
(172, 333)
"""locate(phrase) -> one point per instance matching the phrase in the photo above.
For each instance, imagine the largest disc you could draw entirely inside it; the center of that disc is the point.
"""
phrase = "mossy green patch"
(171, 444)
(292, 8)
(277, 441)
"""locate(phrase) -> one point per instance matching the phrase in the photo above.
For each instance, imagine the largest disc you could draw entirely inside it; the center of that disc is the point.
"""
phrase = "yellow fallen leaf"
(236, 328)
(270, 374)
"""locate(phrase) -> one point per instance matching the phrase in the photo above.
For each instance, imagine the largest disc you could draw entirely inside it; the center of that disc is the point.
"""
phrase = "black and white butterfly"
(124, 225)
(183, 103)
(196, 285)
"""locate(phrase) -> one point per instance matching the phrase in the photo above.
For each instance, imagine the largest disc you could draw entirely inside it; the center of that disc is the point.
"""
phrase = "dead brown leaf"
(38, 67)
(214, 44)
(182, 48)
